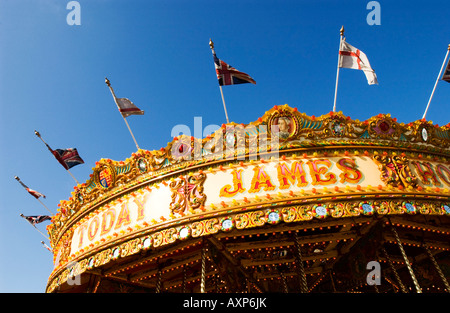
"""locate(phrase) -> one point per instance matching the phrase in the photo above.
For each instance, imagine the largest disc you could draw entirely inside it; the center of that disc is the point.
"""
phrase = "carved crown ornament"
(295, 132)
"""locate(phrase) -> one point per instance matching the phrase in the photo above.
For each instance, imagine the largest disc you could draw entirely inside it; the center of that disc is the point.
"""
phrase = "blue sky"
(156, 53)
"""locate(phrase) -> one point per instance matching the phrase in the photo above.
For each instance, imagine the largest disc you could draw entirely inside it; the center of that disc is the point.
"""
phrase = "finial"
(37, 133)
(211, 44)
(342, 30)
(448, 47)
(16, 177)
(107, 82)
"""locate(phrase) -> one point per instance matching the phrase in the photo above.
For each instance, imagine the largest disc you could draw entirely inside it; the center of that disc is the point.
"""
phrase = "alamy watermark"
(74, 276)
(74, 16)
(374, 16)
(234, 142)
(374, 276)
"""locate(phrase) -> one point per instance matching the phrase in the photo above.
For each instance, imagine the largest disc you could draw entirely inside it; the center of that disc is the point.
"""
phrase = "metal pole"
(337, 74)
(26, 188)
(183, 284)
(21, 215)
(435, 84)
(48, 147)
(399, 243)
(73, 177)
(224, 105)
(211, 45)
(118, 107)
(203, 275)
(300, 267)
(438, 269)
(391, 265)
(283, 278)
(46, 247)
(332, 281)
(45, 207)
(158, 281)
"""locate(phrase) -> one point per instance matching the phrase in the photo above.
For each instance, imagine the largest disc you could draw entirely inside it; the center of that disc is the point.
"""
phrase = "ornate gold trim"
(144, 240)
(187, 193)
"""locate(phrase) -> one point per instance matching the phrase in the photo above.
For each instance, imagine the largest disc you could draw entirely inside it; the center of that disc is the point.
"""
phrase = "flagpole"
(45, 207)
(73, 177)
(211, 45)
(224, 106)
(337, 74)
(435, 84)
(46, 247)
(125, 120)
(39, 135)
(36, 228)
(24, 186)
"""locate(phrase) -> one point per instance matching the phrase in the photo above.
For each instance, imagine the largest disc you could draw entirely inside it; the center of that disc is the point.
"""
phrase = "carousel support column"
(283, 280)
(158, 280)
(300, 268)
(216, 283)
(247, 285)
(376, 288)
(408, 265)
(203, 276)
(183, 283)
(397, 277)
(332, 281)
(438, 268)
(97, 284)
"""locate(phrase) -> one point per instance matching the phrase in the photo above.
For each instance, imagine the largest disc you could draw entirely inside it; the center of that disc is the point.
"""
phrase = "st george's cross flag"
(127, 108)
(351, 57)
(228, 75)
(446, 75)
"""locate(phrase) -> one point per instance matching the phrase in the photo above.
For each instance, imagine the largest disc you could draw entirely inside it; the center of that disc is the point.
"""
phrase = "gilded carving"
(297, 131)
(187, 193)
(252, 219)
(395, 170)
(289, 214)
(283, 124)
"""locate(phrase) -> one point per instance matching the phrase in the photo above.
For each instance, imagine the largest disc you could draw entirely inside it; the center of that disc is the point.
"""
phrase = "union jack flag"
(68, 158)
(228, 75)
(36, 219)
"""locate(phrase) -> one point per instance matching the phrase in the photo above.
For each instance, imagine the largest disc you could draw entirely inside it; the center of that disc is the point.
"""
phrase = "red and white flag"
(126, 107)
(351, 57)
(32, 192)
(35, 194)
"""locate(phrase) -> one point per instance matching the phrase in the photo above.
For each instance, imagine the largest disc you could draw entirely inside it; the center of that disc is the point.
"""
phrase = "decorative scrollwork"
(395, 170)
(187, 193)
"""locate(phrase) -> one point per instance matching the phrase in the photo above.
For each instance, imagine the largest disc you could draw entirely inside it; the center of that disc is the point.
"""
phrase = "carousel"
(289, 203)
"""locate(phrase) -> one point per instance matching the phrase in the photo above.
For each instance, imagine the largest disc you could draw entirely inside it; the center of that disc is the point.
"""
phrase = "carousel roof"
(365, 177)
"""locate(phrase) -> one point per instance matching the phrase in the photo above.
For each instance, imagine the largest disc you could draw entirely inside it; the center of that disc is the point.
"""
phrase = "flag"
(228, 75)
(35, 194)
(126, 107)
(36, 219)
(351, 57)
(68, 158)
(32, 192)
(46, 247)
(446, 75)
